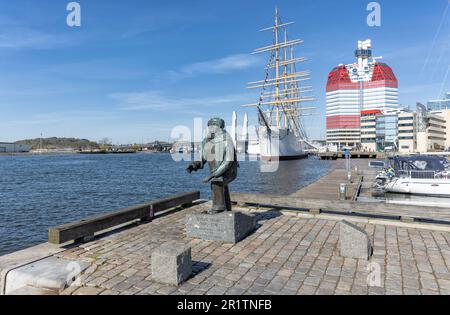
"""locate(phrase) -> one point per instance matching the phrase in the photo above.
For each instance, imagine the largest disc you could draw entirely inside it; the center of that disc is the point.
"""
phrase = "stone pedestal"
(171, 263)
(228, 227)
(354, 241)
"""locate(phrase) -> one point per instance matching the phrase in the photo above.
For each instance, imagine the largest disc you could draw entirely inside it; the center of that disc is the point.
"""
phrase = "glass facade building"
(387, 132)
(439, 104)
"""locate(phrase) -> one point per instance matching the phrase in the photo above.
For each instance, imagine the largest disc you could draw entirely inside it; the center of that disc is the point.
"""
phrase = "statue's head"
(215, 125)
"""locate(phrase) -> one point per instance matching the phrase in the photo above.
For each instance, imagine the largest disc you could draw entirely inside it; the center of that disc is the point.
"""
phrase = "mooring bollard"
(354, 242)
(171, 263)
(343, 191)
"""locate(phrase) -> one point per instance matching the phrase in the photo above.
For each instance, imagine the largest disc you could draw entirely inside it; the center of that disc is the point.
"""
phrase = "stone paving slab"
(285, 255)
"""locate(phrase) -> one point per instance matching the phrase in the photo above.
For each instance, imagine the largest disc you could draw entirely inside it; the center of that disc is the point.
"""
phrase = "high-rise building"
(442, 104)
(364, 85)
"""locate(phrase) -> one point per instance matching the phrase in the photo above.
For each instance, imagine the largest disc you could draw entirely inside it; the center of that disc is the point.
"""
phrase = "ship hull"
(253, 148)
(419, 186)
(280, 145)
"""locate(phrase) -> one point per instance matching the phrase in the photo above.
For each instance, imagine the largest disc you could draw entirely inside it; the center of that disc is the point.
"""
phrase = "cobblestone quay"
(287, 254)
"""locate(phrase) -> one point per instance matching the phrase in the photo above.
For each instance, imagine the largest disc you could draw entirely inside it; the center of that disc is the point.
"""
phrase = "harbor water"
(40, 191)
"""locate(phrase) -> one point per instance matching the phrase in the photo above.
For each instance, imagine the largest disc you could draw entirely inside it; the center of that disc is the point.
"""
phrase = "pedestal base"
(227, 227)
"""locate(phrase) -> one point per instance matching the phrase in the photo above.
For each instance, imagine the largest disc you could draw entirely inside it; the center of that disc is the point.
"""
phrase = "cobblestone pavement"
(286, 255)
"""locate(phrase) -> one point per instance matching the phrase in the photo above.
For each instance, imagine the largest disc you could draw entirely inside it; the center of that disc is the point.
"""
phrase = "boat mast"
(277, 68)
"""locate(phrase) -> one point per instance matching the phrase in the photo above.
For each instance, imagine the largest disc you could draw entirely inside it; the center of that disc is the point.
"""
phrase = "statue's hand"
(193, 167)
(208, 179)
(190, 168)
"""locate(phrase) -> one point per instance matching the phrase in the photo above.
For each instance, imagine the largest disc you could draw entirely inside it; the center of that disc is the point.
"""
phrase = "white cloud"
(226, 64)
(154, 100)
(22, 37)
(63, 117)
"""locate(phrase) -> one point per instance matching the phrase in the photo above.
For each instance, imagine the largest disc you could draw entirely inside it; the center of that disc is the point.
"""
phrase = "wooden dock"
(322, 197)
(327, 187)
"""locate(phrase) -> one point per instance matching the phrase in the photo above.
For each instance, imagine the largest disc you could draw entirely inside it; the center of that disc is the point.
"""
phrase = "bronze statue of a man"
(219, 152)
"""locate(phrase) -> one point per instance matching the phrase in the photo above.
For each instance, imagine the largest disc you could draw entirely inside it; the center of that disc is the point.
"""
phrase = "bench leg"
(150, 217)
(407, 219)
(85, 239)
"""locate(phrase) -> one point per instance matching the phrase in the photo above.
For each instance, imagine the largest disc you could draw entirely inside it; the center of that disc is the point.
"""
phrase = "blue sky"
(135, 69)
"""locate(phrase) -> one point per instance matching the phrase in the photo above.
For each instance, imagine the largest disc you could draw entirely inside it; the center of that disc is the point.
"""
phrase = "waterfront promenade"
(287, 254)
(291, 252)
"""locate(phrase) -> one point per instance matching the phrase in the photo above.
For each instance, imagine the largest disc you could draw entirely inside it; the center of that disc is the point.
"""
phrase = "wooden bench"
(84, 230)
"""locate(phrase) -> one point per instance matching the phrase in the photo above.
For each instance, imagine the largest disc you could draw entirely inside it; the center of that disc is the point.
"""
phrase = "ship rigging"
(282, 134)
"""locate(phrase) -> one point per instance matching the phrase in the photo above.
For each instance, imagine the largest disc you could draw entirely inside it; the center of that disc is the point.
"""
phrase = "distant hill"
(60, 143)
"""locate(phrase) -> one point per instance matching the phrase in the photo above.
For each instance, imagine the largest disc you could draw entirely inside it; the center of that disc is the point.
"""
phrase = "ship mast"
(277, 67)
(280, 91)
(285, 73)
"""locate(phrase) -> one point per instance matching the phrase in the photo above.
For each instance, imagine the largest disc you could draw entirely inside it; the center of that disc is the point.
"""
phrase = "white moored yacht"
(419, 175)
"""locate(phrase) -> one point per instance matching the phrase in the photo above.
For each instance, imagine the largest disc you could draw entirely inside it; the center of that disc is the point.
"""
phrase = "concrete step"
(29, 290)
(52, 273)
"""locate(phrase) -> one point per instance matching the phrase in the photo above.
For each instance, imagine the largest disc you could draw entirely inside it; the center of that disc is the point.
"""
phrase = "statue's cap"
(217, 121)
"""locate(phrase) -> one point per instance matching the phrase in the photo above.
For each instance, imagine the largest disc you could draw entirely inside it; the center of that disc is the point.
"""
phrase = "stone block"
(227, 227)
(171, 263)
(354, 241)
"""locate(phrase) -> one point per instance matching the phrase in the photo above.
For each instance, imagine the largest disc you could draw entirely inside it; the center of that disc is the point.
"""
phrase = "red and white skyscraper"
(364, 85)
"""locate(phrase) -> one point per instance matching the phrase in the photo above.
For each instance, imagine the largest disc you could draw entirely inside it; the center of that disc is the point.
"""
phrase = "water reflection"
(287, 179)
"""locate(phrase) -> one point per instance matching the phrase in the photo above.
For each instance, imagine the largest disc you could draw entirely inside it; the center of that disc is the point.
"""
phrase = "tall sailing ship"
(281, 133)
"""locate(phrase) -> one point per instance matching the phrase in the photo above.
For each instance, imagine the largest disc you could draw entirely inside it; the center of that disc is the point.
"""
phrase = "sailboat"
(281, 134)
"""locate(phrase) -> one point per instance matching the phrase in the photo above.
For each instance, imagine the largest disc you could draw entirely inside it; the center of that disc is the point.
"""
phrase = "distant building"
(387, 132)
(407, 132)
(442, 108)
(364, 85)
(379, 132)
(437, 105)
(422, 131)
(369, 129)
(435, 135)
(445, 114)
(6, 147)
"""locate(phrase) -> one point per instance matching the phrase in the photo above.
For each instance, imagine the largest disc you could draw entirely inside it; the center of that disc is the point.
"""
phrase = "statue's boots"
(219, 197)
